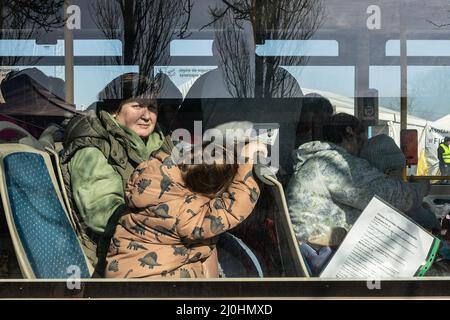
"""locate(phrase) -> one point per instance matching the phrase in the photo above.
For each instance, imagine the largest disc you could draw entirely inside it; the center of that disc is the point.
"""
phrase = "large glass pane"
(311, 80)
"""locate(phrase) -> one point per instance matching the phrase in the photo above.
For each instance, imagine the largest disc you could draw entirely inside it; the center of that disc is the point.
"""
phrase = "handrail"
(425, 178)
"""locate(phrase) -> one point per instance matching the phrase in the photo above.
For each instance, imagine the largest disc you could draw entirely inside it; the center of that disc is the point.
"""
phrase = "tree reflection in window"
(239, 24)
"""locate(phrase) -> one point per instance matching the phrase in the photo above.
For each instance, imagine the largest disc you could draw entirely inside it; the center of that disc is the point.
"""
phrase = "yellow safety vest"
(446, 153)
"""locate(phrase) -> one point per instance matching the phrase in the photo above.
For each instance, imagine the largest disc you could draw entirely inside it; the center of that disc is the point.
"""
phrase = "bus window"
(311, 80)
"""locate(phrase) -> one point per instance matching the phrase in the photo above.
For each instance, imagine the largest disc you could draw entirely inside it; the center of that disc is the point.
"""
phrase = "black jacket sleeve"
(105, 239)
(439, 154)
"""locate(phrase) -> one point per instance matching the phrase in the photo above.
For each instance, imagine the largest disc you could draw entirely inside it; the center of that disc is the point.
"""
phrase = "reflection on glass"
(342, 83)
(386, 79)
(183, 77)
(191, 48)
(86, 86)
(239, 25)
(144, 27)
(428, 91)
(24, 48)
(286, 48)
(24, 20)
(420, 48)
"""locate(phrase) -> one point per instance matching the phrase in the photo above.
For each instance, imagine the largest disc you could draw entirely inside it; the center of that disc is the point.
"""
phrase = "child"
(177, 212)
(382, 152)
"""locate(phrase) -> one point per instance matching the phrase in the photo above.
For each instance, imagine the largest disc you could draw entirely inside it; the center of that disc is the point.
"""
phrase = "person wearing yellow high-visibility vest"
(444, 157)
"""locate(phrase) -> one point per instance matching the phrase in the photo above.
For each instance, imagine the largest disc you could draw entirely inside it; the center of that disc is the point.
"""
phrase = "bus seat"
(56, 162)
(44, 240)
(43, 144)
(292, 261)
(236, 259)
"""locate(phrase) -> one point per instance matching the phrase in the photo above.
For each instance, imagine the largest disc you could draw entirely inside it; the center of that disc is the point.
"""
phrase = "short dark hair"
(316, 103)
(335, 131)
(446, 139)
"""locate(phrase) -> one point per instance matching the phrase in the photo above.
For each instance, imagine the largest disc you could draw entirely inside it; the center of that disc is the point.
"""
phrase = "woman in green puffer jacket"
(101, 151)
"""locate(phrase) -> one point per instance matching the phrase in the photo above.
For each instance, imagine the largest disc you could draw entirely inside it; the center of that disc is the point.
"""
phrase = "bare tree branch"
(21, 20)
(187, 9)
(217, 16)
(145, 28)
(43, 14)
(269, 19)
(438, 25)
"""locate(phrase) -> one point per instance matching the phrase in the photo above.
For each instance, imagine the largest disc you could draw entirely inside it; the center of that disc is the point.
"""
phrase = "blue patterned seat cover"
(49, 240)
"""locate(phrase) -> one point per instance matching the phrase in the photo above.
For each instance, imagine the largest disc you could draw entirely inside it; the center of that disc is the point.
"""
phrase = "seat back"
(292, 261)
(56, 162)
(45, 143)
(43, 237)
(236, 259)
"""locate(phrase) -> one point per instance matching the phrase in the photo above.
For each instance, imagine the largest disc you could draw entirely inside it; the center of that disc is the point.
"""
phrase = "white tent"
(443, 123)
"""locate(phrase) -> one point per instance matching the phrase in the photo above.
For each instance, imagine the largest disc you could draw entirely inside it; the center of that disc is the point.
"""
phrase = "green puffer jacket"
(98, 158)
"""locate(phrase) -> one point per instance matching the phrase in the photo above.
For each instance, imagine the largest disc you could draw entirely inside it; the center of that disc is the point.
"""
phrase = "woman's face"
(139, 118)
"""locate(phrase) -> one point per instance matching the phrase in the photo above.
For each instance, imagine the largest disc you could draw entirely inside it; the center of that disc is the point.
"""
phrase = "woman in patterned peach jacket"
(177, 212)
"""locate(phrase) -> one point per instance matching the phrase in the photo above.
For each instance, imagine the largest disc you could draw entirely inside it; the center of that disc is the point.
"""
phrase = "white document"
(383, 243)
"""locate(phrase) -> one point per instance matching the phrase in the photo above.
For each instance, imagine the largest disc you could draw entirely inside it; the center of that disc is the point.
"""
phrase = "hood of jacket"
(104, 128)
(313, 149)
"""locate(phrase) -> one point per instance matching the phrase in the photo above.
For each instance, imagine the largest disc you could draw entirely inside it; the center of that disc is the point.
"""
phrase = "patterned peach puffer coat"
(171, 231)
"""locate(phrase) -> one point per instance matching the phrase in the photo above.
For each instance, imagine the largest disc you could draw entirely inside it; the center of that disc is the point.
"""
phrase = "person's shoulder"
(81, 134)
(83, 126)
